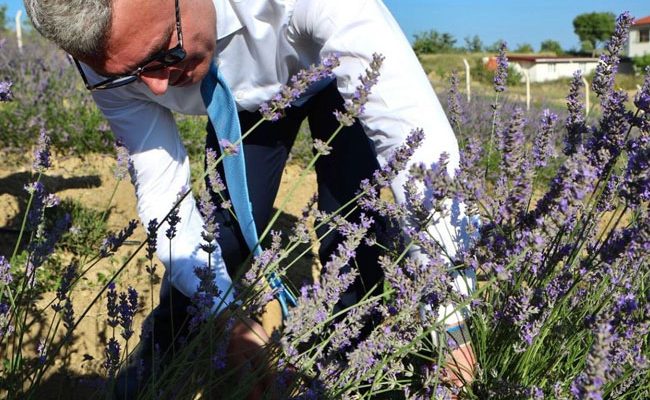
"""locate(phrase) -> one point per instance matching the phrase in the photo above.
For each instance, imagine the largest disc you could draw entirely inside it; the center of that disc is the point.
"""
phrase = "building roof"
(550, 59)
(642, 21)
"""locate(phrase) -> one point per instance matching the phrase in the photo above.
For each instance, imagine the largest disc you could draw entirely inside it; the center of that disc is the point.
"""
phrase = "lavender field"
(548, 208)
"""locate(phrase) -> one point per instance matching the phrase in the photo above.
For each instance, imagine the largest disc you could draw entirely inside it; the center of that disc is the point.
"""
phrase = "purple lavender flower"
(40, 201)
(518, 195)
(114, 241)
(172, 220)
(300, 82)
(575, 122)
(66, 282)
(41, 350)
(5, 91)
(64, 303)
(214, 179)
(263, 266)
(468, 175)
(501, 74)
(355, 106)
(42, 152)
(398, 160)
(152, 238)
(590, 383)
(112, 354)
(44, 241)
(124, 163)
(318, 300)
(603, 82)
(127, 308)
(229, 149)
(609, 139)
(636, 183)
(321, 147)
(210, 231)
(203, 299)
(5, 271)
(300, 232)
(112, 306)
(542, 149)
(455, 110)
(512, 144)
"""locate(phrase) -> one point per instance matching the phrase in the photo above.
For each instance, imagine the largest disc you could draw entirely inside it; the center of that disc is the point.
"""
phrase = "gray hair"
(79, 27)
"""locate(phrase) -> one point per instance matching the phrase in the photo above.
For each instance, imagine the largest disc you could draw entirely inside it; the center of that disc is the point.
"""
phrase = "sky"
(516, 21)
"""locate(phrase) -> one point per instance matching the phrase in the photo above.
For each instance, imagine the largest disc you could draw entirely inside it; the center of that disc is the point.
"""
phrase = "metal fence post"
(468, 80)
(19, 31)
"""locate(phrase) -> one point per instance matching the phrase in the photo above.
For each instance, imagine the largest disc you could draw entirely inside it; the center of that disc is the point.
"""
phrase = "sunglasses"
(158, 61)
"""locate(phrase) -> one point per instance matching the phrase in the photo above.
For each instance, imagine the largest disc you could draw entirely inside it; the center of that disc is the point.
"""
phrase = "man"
(258, 45)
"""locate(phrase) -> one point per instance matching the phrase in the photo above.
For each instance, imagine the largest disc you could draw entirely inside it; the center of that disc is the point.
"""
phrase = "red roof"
(642, 21)
(543, 58)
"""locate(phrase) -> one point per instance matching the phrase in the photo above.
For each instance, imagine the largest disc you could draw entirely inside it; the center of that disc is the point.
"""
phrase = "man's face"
(141, 28)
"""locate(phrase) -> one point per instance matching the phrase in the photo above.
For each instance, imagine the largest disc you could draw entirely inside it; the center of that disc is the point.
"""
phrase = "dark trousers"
(266, 149)
(339, 174)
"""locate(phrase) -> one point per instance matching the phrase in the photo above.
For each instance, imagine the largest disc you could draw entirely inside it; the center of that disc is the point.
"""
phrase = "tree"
(594, 27)
(433, 42)
(473, 44)
(551, 46)
(494, 47)
(524, 48)
(3, 17)
(587, 47)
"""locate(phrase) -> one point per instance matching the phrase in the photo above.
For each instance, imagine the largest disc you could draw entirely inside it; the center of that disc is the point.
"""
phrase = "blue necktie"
(222, 112)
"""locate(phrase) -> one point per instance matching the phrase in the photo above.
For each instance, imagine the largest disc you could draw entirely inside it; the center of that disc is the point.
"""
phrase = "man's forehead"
(136, 35)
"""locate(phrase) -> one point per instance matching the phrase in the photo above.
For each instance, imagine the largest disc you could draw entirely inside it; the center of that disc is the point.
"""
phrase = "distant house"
(548, 68)
(639, 42)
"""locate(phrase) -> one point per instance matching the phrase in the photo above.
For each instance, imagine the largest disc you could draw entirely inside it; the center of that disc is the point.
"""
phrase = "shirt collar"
(227, 20)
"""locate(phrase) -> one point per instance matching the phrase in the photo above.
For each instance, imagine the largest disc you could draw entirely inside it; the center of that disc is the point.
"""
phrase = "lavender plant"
(562, 309)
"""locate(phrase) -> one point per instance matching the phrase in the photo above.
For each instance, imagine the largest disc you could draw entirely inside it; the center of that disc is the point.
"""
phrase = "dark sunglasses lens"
(174, 56)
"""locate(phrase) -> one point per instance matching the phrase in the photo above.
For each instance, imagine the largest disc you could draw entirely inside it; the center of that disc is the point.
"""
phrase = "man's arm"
(160, 172)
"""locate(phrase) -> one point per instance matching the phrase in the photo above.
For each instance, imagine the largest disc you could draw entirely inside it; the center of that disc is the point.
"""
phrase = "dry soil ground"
(90, 180)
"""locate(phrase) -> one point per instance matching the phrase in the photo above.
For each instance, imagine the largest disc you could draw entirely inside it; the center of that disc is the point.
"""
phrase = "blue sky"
(516, 21)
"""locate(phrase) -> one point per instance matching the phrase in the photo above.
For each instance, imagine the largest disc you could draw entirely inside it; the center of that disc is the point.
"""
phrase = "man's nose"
(156, 81)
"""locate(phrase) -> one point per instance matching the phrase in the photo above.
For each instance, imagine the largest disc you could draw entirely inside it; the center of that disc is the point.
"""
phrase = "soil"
(90, 180)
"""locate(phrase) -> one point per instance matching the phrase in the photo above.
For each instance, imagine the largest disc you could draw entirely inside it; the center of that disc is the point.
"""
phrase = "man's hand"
(461, 366)
(247, 354)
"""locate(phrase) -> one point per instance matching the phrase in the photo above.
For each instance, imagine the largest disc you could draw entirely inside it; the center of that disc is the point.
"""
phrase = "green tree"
(524, 48)
(641, 63)
(3, 17)
(595, 27)
(473, 44)
(551, 46)
(433, 42)
(587, 47)
(494, 47)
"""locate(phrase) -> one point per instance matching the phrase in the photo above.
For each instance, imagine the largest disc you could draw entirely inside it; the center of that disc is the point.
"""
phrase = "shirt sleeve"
(402, 100)
(161, 171)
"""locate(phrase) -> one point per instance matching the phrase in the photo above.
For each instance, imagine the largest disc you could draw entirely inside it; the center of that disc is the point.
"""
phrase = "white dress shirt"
(260, 45)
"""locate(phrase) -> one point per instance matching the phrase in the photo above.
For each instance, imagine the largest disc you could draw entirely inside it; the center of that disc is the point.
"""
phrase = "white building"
(639, 42)
(549, 68)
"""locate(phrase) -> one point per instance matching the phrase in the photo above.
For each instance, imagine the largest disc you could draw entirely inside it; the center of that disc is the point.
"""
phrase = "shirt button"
(239, 95)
